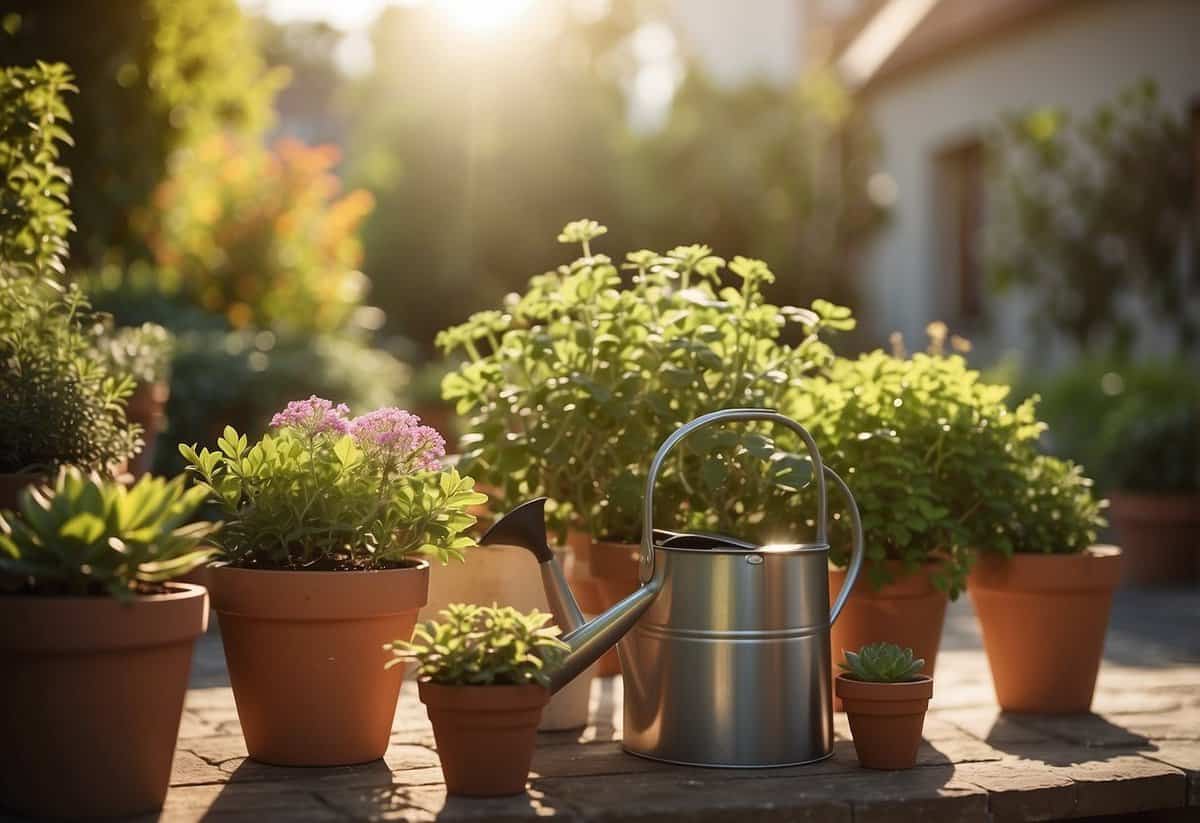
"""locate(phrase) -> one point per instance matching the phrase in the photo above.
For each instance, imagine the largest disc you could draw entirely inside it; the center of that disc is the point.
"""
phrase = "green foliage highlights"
(1056, 513)
(1136, 426)
(482, 646)
(1094, 217)
(571, 389)
(89, 536)
(934, 456)
(58, 404)
(326, 497)
(35, 215)
(140, 352)
(882, 663)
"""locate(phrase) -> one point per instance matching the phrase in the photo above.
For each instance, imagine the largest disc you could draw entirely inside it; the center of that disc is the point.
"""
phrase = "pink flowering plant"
(327, 491)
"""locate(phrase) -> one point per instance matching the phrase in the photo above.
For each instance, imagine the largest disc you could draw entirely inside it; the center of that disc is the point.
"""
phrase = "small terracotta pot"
(1043, 618)
(147, 407)
(92, 694)
(614, 568)
(1160, 536)
(885, 719)
(485, 735)
(306, 659)
(909, 612)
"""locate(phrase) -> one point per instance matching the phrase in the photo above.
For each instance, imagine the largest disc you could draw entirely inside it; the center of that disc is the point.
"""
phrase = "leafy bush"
(35, 215)
(58, 404)
(259, 236)
(882, 663)
(572, 388)
(89, 536)
(140, 352)
(482, 646)
(1055, 512)
(325, 491)
(930, 452)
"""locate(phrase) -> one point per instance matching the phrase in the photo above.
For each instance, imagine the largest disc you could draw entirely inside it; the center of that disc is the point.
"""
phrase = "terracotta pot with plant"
(597, 368)
(96, 642)
(928, 447)
(143, 354)
(327, 518)
(1044, 598)
(886, 698)
(484, 676)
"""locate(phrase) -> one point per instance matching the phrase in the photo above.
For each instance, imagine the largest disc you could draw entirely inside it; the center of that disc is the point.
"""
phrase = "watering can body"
(725, 645)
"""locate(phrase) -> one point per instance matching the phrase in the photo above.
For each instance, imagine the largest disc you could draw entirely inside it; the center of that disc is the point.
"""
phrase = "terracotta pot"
(92, 694)
(509, 576)
(909, 612)
(11, 485)
(1160, 536)
(885, 719)
(614, 568)
(147, 407)
(1043, 618)
(306, 662)
(485, 735)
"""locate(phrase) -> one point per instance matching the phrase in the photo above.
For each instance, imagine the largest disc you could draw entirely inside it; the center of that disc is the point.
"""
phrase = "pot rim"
(482, 697)
(1097, 567)
(850, 689)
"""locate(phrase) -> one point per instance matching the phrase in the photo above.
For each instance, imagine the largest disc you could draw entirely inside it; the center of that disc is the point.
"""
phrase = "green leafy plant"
(58, 404)
(931, 452)
(327, 492)
(35, 214)
(483, 646)
(140, 352)
(571, 388)
(84, 536)
(882, 663)
(1055, 511)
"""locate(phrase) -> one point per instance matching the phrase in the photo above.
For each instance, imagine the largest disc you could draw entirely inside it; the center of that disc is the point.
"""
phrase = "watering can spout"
(525, 526)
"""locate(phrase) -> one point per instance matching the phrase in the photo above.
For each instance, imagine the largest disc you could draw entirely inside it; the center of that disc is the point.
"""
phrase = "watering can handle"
(856, 556)
(646, 566)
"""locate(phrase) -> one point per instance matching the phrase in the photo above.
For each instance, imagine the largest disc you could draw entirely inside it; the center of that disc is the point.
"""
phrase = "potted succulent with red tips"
(484, 676)
(886, 697)
(328, 521)
(96, 642)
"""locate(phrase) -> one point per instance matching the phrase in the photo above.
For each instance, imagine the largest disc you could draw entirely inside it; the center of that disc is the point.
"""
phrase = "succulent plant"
(483, 646)
(882, 663)
(85, 535)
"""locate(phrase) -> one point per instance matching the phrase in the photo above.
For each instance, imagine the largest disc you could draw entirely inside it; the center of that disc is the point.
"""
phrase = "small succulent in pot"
(479, 664)
(96, 641)
(885, 697)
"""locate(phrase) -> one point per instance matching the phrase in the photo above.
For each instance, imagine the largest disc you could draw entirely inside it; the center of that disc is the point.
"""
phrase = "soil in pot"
(910, 612)
(92, 693)
(1043, 618)
(885, 719)
(1160, 537)
(485, 735)
(306, 659)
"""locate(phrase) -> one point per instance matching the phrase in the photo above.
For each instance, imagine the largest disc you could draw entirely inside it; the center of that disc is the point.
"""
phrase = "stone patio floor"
(1139, 751)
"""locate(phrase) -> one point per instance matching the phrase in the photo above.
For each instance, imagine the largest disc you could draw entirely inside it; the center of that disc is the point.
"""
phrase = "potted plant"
(96, 642)
(927, 445)
(571, 387)
(484, 673)
(886, 697)
(1043, 601)
(142, 353)
(327, 519)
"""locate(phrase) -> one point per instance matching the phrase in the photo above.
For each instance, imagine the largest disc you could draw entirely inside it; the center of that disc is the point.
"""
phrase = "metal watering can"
(725, 645)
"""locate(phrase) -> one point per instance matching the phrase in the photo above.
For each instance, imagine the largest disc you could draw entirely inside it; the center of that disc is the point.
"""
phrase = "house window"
(959, 172)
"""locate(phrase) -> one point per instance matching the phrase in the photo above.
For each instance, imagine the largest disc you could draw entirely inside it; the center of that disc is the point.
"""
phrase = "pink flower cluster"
(391, 435)
(396, 434)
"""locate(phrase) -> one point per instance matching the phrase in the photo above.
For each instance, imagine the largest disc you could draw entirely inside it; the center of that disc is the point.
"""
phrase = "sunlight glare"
(484, 15)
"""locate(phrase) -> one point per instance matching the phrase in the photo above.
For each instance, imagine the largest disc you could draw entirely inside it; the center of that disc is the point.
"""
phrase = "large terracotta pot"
(886, 719)
(306, 659)
(1160, 536)
(910, 612)
(92, 693)
(509, 576)
(147, 407)
(614, 568)
(485, 735)
(1044, 617)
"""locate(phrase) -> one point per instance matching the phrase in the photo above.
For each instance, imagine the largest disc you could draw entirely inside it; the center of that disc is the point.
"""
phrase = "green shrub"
(482, 646)
(882, 663)
(88, 536)
(140, 352)
(1055, 511)
(571, 388)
